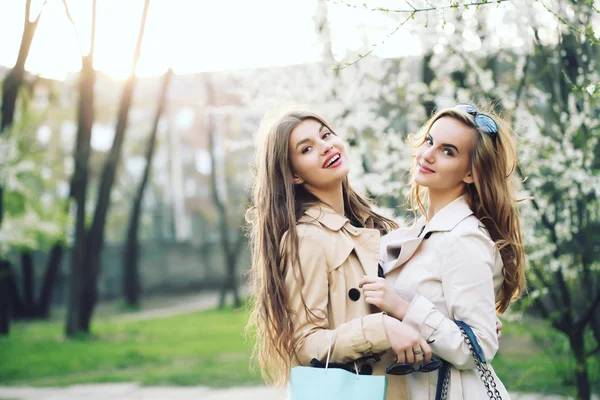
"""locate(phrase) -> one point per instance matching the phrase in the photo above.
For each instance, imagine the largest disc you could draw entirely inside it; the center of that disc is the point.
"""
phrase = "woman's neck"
(440, 199)
(334, 198)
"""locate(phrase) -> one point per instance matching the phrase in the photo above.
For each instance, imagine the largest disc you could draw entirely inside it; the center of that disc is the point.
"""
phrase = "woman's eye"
(448, 152)
(429, 141)
(326, 134)
(305, 149)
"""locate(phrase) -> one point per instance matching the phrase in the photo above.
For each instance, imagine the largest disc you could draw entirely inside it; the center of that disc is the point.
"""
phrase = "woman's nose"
(326, 147)
(428, 155)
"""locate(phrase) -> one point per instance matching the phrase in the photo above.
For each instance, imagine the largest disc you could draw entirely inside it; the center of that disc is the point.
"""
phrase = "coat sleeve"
(467, 282)
(308, 285)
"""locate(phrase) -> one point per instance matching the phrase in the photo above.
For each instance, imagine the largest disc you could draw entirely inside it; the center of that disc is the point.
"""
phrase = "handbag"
(485, 374)
(331, 383)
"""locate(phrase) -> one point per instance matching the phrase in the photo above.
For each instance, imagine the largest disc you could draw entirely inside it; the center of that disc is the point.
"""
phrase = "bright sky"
(190, 35)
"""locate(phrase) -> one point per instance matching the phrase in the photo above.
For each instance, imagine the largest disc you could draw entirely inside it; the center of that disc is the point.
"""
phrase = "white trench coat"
(448, 269)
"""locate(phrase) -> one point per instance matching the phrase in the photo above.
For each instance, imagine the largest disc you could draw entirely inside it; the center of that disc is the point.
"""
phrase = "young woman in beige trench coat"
(313, 238)
(464, 258)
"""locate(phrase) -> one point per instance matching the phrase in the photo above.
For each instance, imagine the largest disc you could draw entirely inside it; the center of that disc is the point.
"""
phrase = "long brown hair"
(277, 205)
(491, 196)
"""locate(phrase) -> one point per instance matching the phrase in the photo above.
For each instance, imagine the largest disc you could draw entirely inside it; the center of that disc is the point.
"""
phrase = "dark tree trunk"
(5, 304)
(131, 280)
(28, 289)
(230, 251)
(79, 181)
(582, 381)
(14, 79)
(50, 275)
(10, 90)
(94, 240)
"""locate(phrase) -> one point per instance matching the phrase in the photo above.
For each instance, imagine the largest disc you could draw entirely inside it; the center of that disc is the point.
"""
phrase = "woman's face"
(444, 159)
(318, 157)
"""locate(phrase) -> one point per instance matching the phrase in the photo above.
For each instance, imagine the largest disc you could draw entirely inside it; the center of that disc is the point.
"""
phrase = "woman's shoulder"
(468, 233)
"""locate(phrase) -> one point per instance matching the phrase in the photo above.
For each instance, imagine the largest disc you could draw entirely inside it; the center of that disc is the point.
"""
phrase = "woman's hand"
(408, 345)
(381, 294)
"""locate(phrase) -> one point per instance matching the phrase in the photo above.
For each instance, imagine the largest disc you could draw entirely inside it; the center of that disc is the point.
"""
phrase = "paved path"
(131, 391)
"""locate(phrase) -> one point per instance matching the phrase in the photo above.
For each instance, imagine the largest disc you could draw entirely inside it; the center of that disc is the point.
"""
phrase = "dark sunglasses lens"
(400, 369)
(468, 108)
(486, 124)
(431, 366)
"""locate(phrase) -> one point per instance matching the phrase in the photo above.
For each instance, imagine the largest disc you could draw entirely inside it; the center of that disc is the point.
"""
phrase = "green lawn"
(204, 348)
(208, 348)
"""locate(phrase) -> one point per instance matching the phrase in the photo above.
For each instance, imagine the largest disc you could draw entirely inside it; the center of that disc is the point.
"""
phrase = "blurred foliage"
(32, 221)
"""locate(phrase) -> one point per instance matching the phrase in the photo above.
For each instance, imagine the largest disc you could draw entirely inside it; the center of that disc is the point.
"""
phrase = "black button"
(427, 235)
(366, 369)
(354, 294)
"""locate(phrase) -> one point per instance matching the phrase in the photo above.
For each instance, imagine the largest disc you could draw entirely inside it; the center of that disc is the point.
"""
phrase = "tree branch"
(70, 18)
(361, 56)
(453, 5)
(587, 316)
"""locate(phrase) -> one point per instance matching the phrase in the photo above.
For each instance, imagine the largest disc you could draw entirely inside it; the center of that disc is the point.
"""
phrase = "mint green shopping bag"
(309, 383)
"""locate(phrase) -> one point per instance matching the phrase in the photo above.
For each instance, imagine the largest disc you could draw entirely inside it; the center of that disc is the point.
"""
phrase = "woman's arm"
(467, 281)
(354, 339)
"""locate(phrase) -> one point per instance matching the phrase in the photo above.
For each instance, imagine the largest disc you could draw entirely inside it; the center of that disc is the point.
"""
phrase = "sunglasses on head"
(482, 121)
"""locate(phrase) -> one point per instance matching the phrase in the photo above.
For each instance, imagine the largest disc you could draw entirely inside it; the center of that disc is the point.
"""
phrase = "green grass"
(534, 358)
(205, 348)
(208, 348)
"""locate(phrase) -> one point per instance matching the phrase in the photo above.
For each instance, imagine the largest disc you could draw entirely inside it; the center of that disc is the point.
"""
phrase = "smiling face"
(318, 156)
(444, 158)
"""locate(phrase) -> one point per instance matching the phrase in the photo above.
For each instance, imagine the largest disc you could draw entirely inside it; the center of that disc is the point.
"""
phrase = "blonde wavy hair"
(492, 195)
(277, 206)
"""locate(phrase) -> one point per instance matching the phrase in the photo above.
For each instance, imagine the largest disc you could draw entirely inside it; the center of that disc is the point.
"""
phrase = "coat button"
(427, 235)
(354, 294)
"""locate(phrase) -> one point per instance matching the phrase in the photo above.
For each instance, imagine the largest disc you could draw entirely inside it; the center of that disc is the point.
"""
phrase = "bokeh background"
(127, 138)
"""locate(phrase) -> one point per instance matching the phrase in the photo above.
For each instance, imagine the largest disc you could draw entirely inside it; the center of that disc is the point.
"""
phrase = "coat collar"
(448, 217)
(398, 246)
(326, 216)
(364, 241)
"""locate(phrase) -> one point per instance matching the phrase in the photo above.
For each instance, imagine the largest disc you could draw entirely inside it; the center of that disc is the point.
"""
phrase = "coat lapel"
(364, 241)
(398, 246)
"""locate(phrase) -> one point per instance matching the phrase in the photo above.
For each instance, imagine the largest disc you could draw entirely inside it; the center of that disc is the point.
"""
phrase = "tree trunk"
(576, 340)
(95, 238)
(50, 275)
(14, 79)
(28, 289)
(10, 90)
(5, 304)
(131, 282)
(79, 181)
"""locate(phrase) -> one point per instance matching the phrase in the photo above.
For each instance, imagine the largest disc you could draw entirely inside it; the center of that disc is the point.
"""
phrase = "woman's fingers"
(410, 356)
(401, 357)
(372, 287)
(418, 355)
(366, 280)
(426, 350)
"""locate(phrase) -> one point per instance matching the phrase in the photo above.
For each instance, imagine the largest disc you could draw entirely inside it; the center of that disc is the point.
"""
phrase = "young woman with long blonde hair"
(464, 258)
(312, 239)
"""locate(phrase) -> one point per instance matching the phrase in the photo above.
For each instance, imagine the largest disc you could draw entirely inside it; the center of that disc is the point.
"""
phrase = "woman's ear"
(297, 180)
(468, 179)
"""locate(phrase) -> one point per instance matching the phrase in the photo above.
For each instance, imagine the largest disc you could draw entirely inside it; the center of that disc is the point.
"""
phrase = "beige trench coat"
(334, 255)
(448, 270)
